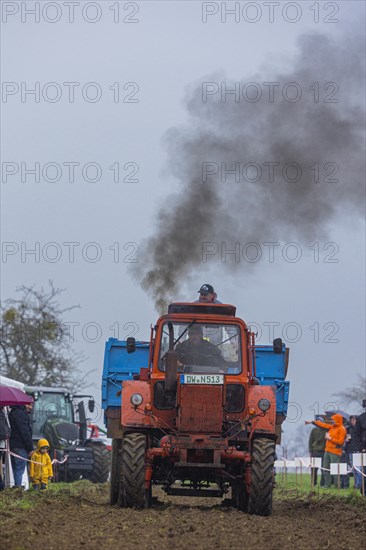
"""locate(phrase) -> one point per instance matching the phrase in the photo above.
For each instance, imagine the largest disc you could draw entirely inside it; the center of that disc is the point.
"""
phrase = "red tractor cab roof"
(197, 308)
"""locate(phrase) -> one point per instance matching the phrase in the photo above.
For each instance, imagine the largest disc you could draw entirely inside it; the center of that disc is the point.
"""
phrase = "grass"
(299, 485)
(288, 488)
(17, 499)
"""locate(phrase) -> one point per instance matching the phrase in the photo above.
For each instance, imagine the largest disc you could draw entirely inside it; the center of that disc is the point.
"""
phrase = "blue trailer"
(118, 366)
(271, 370)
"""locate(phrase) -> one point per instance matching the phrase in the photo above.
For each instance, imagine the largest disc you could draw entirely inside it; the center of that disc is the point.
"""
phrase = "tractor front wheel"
(260, 497)
(132, 488)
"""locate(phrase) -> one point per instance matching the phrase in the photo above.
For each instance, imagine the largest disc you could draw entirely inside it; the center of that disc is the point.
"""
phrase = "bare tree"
(295, 441)
(354, 394)
(35, 344)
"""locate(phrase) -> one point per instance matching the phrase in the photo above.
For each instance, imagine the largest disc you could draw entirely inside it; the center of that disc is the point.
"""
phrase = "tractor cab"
(48, 406)
(57, 415)
(60, 417)
(202, 346)
(201, 339)
(200, 355)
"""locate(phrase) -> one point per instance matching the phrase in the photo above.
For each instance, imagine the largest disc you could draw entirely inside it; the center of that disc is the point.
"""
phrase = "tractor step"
(175, 491)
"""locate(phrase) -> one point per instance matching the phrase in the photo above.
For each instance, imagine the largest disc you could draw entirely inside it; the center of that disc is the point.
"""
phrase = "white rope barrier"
(304, 463)
(327, 469)
(353, 468)
(22, 457)
(313, 466)
(359, 471)
(54, 461)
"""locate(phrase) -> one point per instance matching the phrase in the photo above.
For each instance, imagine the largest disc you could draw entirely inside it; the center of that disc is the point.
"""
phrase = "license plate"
(216, 379)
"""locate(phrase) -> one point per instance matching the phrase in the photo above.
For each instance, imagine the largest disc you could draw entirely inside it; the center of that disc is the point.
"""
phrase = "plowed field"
(79, 516)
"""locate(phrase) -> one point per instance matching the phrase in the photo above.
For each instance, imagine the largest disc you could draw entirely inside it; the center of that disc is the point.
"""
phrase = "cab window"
(203, 347)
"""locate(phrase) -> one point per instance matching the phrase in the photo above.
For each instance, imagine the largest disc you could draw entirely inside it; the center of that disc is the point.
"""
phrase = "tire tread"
(260, 497)
(133, 470)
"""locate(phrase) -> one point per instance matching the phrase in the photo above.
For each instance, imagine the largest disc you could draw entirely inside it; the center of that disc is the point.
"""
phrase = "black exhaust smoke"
(256, 171)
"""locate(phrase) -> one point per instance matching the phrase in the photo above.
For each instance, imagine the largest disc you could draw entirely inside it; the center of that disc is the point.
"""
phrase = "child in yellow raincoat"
(40, 470)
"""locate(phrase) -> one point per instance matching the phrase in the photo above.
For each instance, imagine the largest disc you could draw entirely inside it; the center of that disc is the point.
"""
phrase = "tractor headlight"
(264, 405)
(136, 399)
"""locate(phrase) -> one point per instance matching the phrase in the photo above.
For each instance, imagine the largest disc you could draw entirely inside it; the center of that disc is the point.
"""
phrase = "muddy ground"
(82, 518)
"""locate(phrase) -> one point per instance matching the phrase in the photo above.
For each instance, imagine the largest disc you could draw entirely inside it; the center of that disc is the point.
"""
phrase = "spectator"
(316, 450)
(40, 470)
(4, 434)
(360, 444)
(20, 439)
(350, 447)
(334, 437)
(360, 431)
(2, 484)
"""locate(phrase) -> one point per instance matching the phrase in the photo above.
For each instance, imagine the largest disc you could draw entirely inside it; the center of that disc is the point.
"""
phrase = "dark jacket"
(360, 432)
(317, 440)
(4, 426)
(351, 445)
(21, 430)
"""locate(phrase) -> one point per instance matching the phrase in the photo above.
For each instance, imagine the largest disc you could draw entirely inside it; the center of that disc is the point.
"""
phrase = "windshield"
(203, 347)
(47, 406)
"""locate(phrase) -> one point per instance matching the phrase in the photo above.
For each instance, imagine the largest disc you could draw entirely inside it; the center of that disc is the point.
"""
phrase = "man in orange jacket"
(334, 437)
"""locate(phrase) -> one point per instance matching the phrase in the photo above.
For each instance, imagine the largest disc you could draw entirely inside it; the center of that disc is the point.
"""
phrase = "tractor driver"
(198, 351)
(207, 295)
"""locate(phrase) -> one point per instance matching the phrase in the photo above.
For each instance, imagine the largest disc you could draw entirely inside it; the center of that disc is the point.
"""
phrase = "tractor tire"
(132, 487)
(101, 465)
(115, 471)
(260, 497)
(121, 491)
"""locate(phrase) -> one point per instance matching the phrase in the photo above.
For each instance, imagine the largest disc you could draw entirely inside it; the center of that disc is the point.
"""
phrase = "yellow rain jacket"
(40, 472)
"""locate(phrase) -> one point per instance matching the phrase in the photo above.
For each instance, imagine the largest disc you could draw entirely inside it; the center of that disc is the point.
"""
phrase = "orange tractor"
(196, 419)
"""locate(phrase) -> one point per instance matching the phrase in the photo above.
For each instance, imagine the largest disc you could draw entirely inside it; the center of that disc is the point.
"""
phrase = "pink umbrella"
(10, 396)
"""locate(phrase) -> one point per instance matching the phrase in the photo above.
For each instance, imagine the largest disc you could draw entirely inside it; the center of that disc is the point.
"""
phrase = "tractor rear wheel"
(260, 497)
(121, 492)
(132, 488)
(115, 470)
(101, 462)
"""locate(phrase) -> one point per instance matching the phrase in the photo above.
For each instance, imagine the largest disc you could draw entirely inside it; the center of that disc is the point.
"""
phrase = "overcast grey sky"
(129, 73)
